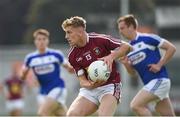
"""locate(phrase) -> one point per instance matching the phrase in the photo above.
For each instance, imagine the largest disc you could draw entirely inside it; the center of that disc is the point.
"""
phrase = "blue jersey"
(46, 68)
(145, 52)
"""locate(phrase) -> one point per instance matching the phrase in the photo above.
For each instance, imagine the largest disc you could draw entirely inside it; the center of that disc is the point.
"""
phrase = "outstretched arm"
(88, 83)
(123, 50)
(68, 67)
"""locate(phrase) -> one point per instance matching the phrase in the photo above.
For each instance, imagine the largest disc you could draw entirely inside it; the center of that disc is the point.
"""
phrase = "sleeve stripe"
(161, 42)
(106, 37)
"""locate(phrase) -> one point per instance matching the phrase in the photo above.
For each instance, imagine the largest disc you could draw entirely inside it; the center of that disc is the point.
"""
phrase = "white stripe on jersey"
(43, 60)
(154, 36)
(102, 36)
(141, 46)
(105, 37)
(29, 55)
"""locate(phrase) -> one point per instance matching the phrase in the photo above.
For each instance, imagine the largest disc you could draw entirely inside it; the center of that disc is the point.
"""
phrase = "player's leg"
(82, 106)
(61, 99)
(16, 107)
(48, 107)
(140, 102)
(108, 105)
(54, 101)
(156, 89)
(61, 111)
(40, 99)
(164, 107)
(109, 98)
(15, 112)
(9, 106)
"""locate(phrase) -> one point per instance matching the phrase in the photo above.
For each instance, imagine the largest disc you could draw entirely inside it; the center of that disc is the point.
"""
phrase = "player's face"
(124, 30)
(41, 42)
(73, 35)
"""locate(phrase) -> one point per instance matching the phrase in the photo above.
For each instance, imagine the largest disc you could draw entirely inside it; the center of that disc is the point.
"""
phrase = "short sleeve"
(78, 69)
(27, 61)
(155, 40)
(112, 43)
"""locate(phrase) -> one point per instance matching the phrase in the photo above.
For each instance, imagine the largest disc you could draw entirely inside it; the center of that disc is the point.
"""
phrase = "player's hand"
(154, 68)
(124, 60)
(108, 60)
(71, 70)
(97, 83)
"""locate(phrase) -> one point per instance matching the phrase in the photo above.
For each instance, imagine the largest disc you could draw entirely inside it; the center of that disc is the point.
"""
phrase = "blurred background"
(19, 18)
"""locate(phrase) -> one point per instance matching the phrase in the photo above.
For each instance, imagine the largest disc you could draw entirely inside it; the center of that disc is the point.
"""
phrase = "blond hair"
(42, 32)
(129, 20)
(75, 21)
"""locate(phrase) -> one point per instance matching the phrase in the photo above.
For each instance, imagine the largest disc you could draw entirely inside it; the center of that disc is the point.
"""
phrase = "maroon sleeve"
(73, 62)
(108, 41)
(112, 43)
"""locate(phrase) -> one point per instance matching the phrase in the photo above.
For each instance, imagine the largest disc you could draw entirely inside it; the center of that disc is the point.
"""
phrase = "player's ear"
(48, 40)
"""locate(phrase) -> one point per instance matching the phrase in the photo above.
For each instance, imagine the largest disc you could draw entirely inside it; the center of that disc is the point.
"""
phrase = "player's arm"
(1, 87)
(121, 51)
(6, 92)
(170, 49)
(84, 82)
(68, 67)
(64, 62)
(24, 73)
(124, 60)
(89, 84)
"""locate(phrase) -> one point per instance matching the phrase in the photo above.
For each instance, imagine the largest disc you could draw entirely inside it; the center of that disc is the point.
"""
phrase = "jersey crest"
(96, 50)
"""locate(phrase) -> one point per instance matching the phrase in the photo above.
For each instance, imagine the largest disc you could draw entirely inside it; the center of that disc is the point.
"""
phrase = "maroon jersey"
(14, 87)
(98, 46)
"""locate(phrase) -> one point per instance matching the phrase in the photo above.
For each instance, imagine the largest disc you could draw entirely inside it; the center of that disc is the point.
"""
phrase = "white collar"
(87, 38)
(137, 35)
(44, 52)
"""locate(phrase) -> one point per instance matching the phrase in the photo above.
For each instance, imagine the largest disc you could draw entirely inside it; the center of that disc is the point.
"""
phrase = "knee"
(157, 109)
(164, 111)
(75, 112)
(134, 106)
(72, 113)
(42, 113)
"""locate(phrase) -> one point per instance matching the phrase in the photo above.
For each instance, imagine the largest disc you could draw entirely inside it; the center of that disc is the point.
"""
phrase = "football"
(98, 70)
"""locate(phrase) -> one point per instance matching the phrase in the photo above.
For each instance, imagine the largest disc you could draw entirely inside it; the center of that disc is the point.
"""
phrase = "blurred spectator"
(13, 90)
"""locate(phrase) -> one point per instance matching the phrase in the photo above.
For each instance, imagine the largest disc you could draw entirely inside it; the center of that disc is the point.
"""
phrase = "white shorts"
(159, 87)
(14, 104)
(95, 95)
(58, 94)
